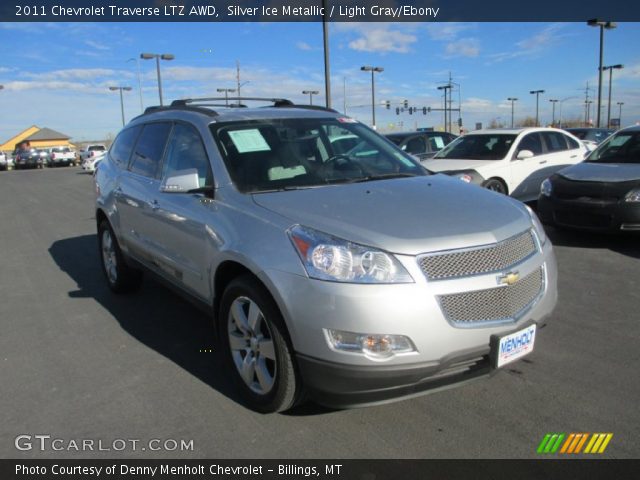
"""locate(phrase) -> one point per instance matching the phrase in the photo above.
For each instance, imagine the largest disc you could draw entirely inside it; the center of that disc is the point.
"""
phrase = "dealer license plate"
(515, 345)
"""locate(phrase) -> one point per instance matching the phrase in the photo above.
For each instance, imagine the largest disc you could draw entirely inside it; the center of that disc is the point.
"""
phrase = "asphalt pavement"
(78, 363)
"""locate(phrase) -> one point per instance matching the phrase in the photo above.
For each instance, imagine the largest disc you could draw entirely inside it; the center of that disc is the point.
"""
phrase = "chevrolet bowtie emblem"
(508, 278)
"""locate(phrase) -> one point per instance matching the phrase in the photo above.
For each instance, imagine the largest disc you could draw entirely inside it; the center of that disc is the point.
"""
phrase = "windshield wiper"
(383, 176)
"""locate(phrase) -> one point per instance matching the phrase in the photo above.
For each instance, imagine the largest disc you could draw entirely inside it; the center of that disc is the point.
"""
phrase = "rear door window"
(555, 141)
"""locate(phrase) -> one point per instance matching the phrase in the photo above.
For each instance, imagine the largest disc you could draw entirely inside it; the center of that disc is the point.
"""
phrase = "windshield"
(284, 154)
(623, 147)
(484, 146)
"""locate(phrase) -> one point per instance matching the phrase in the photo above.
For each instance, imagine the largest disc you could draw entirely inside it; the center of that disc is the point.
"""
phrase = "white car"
(509, 161)
(91, 163)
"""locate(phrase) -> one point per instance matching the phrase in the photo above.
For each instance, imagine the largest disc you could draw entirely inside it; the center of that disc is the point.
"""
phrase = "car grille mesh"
(493, 258)
(494, 304)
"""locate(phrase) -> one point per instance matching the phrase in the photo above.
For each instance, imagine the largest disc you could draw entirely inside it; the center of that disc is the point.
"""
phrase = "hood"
(405, 215)
(602, 172)
(449, 165)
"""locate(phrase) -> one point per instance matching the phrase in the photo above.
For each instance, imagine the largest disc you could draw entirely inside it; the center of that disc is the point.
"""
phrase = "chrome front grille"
(474, 261)
(494, 304)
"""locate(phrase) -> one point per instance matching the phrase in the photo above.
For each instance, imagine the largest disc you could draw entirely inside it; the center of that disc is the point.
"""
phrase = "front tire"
(255, 347)
(495, 185)
(120, 277)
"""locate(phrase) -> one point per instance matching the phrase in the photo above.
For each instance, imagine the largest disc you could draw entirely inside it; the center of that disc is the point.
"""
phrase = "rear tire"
(255, 347)
(120, 277)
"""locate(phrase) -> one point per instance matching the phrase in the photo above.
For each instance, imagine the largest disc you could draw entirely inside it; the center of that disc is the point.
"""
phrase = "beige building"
(37, 137)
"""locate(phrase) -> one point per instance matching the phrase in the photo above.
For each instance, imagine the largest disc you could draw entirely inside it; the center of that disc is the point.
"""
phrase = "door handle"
(542, 162)
(573, 156)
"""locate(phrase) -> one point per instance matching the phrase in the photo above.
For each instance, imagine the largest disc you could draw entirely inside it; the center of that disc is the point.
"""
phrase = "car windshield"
(483, 146)
(623, 147)
(287, 154)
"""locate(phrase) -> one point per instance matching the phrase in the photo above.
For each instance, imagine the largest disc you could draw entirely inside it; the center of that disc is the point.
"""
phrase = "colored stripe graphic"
(553, 443)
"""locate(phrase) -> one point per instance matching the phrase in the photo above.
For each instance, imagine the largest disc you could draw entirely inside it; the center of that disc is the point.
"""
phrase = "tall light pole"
(620, 114)
(137, 60)
(311, 93)
(158, 57)
(512, 100)
(325, 43)
(553, 115)
(608, 25)
(373, 70)
(226, 91)
(611, 68)
(587, 112)
(447, 124)
(126, 89)
(537, 94)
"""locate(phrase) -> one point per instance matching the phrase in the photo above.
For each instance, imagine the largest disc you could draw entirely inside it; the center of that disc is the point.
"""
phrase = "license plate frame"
(509, 347)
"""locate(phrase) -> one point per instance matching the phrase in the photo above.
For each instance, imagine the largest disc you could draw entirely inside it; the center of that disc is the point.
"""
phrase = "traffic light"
(459, 122)
(397, 110)
(411, 109)
(388, 104)
(424, 110)
(406, 103)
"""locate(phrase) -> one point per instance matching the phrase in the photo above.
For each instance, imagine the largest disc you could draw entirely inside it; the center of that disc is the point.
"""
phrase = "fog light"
(373, 345)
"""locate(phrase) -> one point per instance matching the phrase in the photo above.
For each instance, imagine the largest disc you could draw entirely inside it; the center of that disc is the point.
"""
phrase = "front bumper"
(446, 354)
(588, 214)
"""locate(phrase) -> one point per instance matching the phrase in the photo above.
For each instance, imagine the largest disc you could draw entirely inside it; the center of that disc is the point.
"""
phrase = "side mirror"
(181, 181)
(524, 154)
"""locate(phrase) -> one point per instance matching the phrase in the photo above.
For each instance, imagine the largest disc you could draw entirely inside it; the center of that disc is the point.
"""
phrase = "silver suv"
(351, 278)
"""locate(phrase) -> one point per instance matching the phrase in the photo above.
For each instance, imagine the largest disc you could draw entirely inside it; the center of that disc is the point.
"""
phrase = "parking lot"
(80, 363)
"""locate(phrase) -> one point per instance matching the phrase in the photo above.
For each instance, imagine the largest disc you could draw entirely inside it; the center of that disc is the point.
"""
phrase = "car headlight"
(329, 258)
(537, 226)
(546, 188)
(633, 196)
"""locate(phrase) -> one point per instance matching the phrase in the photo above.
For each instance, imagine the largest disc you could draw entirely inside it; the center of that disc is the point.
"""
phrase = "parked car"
(509, 161)
(602, 193)
(90, 164)
(3, 161)
(92, 151)
(423, 144)
(61, 156)
(28, 158)
(591, 137)
(355, 278)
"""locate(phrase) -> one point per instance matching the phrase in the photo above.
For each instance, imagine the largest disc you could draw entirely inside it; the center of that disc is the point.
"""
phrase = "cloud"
(96, 45)
(465, 47)
(534, 45)
(379, 37)
(75, 74)
(480, 105)
(303, 46)
(447, 31)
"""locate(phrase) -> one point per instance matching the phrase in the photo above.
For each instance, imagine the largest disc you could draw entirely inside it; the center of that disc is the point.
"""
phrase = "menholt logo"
(574, 443)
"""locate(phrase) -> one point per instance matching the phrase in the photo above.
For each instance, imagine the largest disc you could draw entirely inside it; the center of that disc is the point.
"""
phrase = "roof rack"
(308, 107)
(277, 102)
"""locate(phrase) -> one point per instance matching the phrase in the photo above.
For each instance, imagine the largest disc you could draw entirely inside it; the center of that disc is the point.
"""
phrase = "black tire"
(120, 277)
(495, 185)
(263, 347)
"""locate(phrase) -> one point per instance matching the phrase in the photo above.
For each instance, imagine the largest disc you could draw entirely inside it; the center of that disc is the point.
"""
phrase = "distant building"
(37, 137)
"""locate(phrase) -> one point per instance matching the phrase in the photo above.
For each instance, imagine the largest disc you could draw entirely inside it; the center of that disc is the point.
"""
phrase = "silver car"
(351, 278)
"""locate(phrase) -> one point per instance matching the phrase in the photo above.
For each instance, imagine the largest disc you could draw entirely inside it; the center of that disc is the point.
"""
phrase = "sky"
(57, 75)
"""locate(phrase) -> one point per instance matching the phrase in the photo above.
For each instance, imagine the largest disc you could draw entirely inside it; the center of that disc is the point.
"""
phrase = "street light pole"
(126, 89)
(587, 112)
(537, 94)
(512, 100)
(611, 68)
(158, 57)
(447, 123)
(373, 70)
(226, 94)
(553, 115)
(608, 25)
(311, 93)
(620, 114)
(137, 60)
